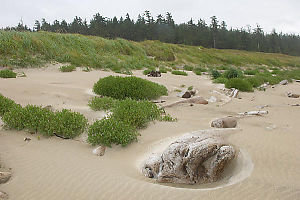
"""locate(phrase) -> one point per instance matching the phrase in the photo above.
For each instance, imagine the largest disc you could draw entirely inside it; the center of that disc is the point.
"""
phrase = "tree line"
(216, 34)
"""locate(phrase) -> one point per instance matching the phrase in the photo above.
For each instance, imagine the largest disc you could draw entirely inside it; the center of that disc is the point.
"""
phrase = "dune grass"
(31, 49)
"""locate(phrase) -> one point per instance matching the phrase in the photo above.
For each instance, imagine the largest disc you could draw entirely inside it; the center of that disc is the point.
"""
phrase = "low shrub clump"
(220, 80)
(67, 68)
(37, 119)
(5, 105)
(251, 71)
(240, 84)
(188, 68)
(65, 123)
(110, 131)
(232, 73)
(102, 103)
(6, 73)
(121, 126)
(177, 72)
(135, 113)
(215, 74)
(15, 118)
(68, 124)
(129, 87)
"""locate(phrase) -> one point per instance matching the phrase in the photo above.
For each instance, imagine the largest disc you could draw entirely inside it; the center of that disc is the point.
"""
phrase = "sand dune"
(52, 168)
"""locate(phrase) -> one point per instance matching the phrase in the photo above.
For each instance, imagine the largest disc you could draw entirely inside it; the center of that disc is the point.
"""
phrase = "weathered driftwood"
(158, 101)
(234, 93)
(191, 159)
(195, 100)
(249, 113)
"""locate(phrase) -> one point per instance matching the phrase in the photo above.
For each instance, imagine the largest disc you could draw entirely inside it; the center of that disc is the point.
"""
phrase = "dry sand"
(47, 169)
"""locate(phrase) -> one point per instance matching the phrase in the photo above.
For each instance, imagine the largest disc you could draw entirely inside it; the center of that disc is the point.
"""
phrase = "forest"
(213, 34)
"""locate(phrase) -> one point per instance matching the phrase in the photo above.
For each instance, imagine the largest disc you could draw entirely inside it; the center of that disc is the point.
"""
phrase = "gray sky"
(283, 15)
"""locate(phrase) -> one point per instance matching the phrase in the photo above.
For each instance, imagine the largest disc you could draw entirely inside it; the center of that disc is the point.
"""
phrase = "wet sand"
(52, 168)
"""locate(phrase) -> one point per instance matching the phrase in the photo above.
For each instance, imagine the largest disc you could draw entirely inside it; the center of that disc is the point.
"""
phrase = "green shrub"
(68, 124)
(240, 84)
(215, 74)
(188, 68)
(163, 70)
(177, 72)
(255, 81)
(190, 87)
(67, 68)
(5, 105)
(147, 71)
(38, 119)
(220, 80)
(6, 73)
(15, 118)
(102, 103)
(129, 87)
(135, 113)
(232, 73)
(199, 70)
(111, 131)
(251, 72)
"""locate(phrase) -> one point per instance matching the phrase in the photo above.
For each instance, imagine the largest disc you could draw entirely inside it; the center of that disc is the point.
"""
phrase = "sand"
(52, 168)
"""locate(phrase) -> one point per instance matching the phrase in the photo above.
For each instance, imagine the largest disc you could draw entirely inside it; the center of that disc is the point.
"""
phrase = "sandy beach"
(53, 168)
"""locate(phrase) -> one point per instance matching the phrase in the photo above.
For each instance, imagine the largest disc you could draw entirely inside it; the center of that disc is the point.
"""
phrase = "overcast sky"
(283, 15)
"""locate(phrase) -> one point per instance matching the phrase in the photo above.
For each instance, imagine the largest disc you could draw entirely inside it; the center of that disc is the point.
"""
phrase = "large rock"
(227, 122)
(3, 196)
(4, 177)
(191, 159)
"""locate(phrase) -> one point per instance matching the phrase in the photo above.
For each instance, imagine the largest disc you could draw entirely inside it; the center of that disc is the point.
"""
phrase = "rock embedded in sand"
(191, 159)
(3, 196)
(291, 95)
(4, 177)
(154, 74)
(99, 151)
(284, 82)
(227, 122)
(186, 95)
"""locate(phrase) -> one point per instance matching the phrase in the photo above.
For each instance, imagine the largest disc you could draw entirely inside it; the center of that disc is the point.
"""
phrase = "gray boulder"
(191, 159)
(227, 122)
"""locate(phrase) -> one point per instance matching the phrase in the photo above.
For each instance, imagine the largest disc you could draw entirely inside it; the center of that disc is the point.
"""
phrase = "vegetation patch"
(110, 131)
(67, 68)
(6, 105)
(6, 73)
(215, 74)
(65, 123)
(178, 72)
(240, 84)
(102, 103)
(232, 73)
(136, 113)
(188, 68)
(129, 87)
